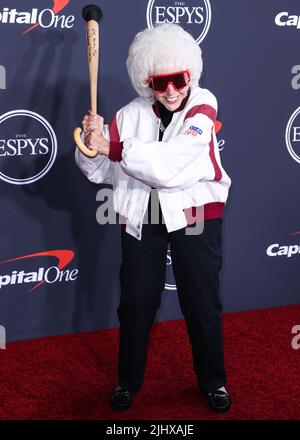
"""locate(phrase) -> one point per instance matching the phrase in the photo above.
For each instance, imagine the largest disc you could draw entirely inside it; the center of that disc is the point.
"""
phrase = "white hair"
(163, 49)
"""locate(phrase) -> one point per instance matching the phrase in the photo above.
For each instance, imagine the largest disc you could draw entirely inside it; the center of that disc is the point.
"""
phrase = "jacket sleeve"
(96, 169)
(180, 162)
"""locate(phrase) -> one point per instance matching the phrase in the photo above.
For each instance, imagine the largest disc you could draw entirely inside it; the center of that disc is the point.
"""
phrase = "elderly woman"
(164, 142)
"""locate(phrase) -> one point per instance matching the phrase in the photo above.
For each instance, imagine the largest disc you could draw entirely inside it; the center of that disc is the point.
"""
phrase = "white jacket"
(185, 166)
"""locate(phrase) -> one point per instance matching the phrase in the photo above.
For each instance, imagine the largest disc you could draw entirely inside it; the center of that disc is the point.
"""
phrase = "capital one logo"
(2, 78)
(292, 135)
(31, 271)
(193, 15)
(284, 19)
(45, 18)
(28, 147)
(287, 251)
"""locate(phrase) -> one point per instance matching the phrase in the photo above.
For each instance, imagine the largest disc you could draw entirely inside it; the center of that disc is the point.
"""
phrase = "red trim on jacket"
(205, 109)
(218, 172)
(116, 147)
(113, 130)
(211, 113)
(211, 211)
(115, 151)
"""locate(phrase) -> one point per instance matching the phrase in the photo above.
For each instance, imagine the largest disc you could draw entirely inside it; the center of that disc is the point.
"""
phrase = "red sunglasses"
(159, 83)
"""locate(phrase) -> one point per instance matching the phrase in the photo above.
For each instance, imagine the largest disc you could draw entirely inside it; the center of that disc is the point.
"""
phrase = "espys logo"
(276, 250)
(50, 275)
(193, 15)
(283, 19)
(28, 147)
(292, 135)
(44, 18)
(2, 78)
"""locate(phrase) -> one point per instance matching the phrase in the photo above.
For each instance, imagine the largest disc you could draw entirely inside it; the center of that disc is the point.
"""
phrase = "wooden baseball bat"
(92, 15)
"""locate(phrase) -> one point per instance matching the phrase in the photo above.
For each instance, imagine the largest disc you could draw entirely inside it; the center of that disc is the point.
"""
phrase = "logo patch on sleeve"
(193, 131)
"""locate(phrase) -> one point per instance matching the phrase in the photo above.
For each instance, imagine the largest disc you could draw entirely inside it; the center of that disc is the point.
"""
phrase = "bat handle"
(80, 144)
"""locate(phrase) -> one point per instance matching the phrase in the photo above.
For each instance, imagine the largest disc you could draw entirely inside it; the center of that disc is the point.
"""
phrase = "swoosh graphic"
(296, 233)
(218, 126)
(58, 5)
(64, 257)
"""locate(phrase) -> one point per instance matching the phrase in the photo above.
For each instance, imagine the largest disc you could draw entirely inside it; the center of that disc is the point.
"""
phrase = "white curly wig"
(162, 49)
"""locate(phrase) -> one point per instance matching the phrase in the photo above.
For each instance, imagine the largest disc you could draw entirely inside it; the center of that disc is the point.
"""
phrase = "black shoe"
(121, 399)
(219, 400)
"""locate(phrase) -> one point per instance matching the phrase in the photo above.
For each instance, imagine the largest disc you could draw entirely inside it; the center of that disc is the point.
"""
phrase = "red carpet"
(70, 377)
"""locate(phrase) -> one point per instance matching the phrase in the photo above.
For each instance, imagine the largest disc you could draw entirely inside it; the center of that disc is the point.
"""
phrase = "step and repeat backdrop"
(58, 266)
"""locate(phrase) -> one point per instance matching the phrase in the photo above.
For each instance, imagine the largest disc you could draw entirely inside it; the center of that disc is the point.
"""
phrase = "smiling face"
(172, 98)
(170, 88)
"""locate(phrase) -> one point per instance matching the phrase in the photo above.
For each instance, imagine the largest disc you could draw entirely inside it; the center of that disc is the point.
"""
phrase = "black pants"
(196, 261)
